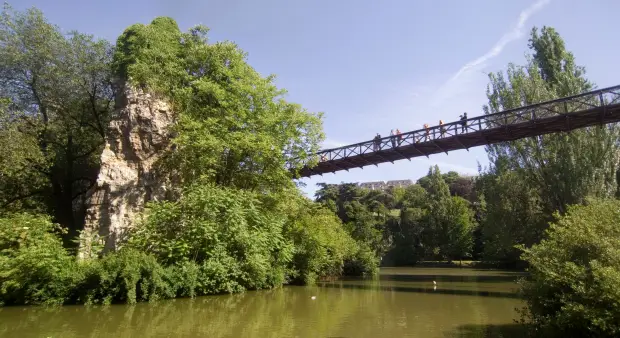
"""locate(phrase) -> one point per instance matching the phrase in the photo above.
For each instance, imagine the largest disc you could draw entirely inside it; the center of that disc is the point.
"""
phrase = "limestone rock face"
(127, 179)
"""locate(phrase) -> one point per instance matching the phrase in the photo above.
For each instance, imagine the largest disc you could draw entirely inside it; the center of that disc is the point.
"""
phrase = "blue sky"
(371, 66)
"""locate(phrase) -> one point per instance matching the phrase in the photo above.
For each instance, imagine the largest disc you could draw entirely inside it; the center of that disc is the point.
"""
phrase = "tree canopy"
(234, 126)
(58, 102)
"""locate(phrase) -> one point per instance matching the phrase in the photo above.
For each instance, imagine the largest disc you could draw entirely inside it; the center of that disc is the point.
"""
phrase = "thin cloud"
(474, 66)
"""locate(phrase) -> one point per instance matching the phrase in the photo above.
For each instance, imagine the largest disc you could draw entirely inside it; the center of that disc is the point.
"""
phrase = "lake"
(400, 302)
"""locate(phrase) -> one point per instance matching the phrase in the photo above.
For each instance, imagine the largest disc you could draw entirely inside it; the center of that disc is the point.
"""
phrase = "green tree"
(234, 127)
(408, 228)
(564, 168)
(574, 274)
(449, 221)
(365, 213)
(513, 214)
(53, 129)
(461, 225)
(533, 177)
(321, 244)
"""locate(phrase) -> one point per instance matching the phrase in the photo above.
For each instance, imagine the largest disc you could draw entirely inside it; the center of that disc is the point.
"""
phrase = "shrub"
(126, 276)
(34, 266)
(321, 244)
(575, 273)
(36, 269)
(363, 263)
(235, 244)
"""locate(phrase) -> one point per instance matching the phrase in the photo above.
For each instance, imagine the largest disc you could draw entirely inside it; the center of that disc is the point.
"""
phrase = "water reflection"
(400, 303)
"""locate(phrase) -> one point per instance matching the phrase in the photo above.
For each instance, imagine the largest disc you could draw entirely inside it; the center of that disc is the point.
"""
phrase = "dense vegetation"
(431, 220)
(236, 220)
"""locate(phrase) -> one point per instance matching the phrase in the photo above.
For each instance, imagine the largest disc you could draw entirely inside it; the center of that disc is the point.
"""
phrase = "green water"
(402, 302)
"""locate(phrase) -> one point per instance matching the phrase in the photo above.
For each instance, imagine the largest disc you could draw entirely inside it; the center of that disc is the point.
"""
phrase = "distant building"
(399, 183)
(382, 185)
(379, 185)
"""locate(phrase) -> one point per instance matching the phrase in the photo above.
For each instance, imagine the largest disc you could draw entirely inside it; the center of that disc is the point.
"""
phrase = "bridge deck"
(598, 107)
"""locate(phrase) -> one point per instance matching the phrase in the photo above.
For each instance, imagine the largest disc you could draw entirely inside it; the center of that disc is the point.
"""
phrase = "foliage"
(530, 179)
(151, 55)
(575, 271)
(563, 168)
(234, 127)
(60, 102)
(236, 243)
(431, 223)
(18, 153)
(34, 266)
(36, 269)
(513, 215)
(365, 213)
(127, 276)
(409, 241)
(321, 244)
(449, 220)
(363, 263)
(458, 185)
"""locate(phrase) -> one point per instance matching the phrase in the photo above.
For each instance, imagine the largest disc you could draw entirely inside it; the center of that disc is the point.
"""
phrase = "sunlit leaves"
(575, 271)
(234, 128)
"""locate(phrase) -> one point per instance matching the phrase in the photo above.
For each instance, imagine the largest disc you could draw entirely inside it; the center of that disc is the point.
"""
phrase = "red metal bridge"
(597, 107)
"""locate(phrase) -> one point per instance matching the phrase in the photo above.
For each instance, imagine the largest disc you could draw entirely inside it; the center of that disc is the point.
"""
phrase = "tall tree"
(564, 168)
(234, 127)
(61, 100)
(529, 179)
(410, 230)
(513, 214)
(449, 220)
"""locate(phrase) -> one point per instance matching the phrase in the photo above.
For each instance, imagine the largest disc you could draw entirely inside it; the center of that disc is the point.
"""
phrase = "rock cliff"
(127, 179)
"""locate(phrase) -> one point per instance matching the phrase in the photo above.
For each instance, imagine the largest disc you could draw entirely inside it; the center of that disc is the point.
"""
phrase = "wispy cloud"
(463, 75)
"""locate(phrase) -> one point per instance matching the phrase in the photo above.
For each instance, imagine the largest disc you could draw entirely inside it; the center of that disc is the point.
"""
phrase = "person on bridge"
(399, 136)
(393, 138)
(464, 122)
(442, 128)
(323, 158)
(377, 143)
(427, 131)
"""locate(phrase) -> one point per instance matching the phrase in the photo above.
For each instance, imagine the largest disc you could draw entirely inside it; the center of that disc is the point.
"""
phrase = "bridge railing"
(528, 114)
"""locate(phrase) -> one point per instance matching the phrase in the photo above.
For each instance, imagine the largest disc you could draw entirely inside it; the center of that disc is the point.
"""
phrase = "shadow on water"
(489, 331)
(451, 278)
(497, 294)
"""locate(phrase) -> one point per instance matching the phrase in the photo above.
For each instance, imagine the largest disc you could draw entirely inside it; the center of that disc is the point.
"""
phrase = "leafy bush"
(364, 262)
(234, 242)
(575, 273)
(36, 269)
(321, 243)
(34, 266)
(126, 276)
